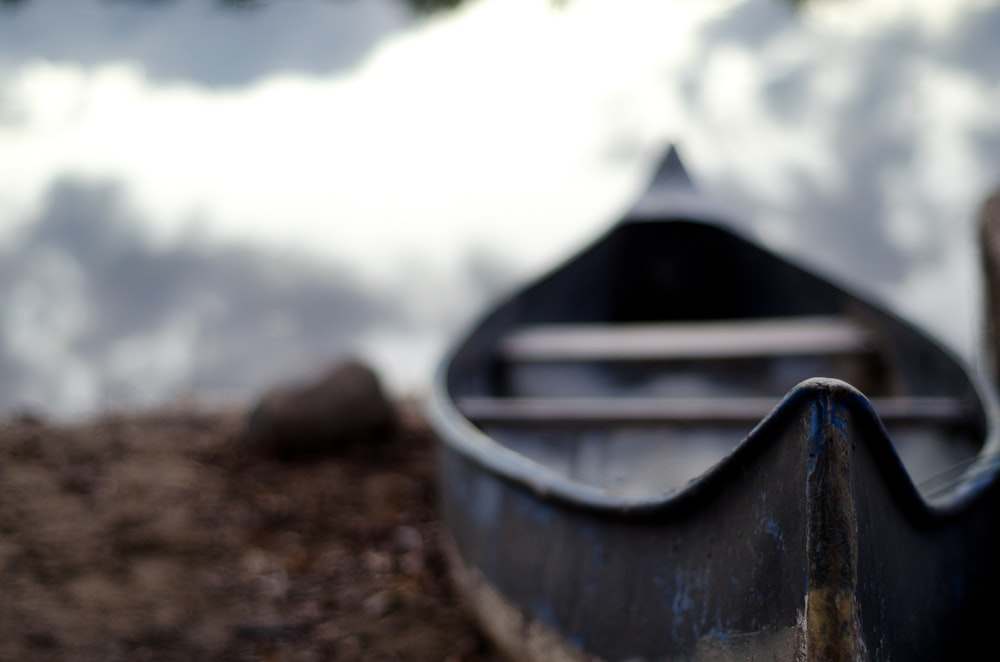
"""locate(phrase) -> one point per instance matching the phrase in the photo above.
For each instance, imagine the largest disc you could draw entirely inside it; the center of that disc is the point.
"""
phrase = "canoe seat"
(657, 411)
(666, 341)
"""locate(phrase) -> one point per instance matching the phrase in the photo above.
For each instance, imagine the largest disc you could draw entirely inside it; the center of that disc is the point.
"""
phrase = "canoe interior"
(646, 359)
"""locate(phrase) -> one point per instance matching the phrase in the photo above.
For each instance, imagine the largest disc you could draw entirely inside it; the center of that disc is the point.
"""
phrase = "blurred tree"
(429, 6)
(418, 6)
(240, 4)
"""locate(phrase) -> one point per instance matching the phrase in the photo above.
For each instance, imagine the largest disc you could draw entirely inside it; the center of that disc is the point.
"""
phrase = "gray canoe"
(678, 445)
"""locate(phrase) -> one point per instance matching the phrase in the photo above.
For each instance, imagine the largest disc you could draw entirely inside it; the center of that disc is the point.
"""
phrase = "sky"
(201, 202)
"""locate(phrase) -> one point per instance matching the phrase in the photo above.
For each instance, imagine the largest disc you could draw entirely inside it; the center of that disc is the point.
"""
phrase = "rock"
(346, 407)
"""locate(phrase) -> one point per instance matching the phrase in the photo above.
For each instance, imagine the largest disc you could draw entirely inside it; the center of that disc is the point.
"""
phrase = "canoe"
(680, 445)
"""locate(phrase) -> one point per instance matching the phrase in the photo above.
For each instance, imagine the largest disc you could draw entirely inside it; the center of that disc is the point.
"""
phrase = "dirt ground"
(159, 537)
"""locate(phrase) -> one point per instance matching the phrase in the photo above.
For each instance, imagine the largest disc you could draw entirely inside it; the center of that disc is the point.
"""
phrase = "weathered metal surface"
(832, 624)
(804, 538)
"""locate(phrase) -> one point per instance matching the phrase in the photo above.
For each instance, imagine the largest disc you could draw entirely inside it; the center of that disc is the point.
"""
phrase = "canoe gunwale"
(461, 434)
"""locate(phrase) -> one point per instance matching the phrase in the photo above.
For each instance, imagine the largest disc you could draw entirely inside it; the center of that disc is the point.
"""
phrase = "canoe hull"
(569, 415)
(810, 542)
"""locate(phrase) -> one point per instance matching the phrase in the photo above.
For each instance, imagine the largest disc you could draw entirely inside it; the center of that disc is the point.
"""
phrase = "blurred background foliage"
(418, 6)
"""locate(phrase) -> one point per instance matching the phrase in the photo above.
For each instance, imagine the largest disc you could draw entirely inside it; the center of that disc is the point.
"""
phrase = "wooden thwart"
(653, 411)
(794, 336)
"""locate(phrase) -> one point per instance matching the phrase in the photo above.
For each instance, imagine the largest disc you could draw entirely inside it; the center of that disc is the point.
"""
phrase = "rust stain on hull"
(832, 629)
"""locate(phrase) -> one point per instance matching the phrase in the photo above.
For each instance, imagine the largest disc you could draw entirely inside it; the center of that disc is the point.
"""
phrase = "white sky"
(480, 126)
(513, 128)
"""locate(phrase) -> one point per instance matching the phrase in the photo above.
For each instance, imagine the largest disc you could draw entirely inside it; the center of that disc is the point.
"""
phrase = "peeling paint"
(682, 604)
(546, 614)
(721, 635)
(773, 529)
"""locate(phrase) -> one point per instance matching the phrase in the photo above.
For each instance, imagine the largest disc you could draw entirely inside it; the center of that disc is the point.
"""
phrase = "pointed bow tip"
(671, 171)
(672, 194)
(828, 385)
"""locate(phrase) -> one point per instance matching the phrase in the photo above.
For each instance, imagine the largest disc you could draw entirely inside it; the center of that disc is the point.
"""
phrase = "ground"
(160, 537)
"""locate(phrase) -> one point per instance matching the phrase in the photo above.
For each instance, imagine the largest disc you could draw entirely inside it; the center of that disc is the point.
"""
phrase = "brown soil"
(158, 537)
